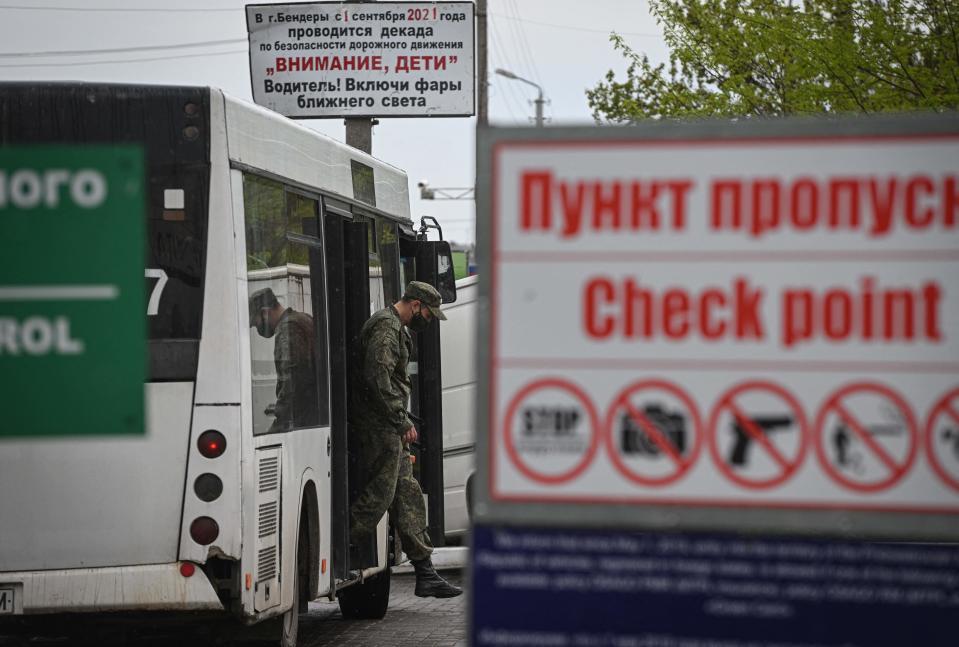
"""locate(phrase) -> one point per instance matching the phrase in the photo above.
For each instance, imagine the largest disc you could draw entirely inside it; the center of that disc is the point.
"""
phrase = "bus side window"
(389, 245)
(286, 288)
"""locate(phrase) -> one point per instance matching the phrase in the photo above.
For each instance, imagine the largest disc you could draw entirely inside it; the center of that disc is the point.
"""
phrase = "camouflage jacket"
(383, 392)
(293, 354)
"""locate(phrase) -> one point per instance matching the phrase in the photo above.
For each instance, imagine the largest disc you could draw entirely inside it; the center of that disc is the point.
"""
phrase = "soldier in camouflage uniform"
(386, 431)
(294, 357)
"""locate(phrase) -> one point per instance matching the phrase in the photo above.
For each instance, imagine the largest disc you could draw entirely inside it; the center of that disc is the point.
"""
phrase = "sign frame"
(889, 523)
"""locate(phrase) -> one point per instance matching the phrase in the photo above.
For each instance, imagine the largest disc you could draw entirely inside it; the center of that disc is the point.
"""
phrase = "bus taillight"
(208, 487)
(211, 443)
(204, 530)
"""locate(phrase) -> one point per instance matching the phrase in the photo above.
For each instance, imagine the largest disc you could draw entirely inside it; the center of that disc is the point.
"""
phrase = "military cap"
(427, 294)
(263, 298)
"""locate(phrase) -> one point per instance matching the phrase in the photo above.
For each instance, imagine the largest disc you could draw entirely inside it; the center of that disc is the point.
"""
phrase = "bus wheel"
(290, 621)
(366, 601)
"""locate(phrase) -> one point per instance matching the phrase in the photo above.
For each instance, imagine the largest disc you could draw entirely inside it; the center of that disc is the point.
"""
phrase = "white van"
(458, 353)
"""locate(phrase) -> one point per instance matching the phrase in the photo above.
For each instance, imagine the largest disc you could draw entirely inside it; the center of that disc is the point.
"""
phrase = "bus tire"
(290, 621)
(366, 601)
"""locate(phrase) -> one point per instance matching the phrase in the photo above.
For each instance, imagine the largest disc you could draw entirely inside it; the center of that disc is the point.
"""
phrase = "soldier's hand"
(410, 436)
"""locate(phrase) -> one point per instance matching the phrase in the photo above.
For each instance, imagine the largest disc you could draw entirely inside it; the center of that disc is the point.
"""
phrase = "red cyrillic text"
(574, 207)
(874, 205)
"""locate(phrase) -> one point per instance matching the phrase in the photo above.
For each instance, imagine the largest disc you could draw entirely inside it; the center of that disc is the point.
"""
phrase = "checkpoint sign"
(756, 313)
(72, 303)
(866, 437)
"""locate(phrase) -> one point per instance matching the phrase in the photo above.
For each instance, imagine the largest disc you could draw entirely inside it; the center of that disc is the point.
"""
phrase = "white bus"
(229, 503)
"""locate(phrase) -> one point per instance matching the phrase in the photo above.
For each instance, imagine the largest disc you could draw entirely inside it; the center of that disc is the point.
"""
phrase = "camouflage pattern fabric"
(391, 486)
(294, 357)
(379, 419)
(382, 395)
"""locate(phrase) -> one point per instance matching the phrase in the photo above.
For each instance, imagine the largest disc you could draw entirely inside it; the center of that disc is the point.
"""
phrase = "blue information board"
(579, 588)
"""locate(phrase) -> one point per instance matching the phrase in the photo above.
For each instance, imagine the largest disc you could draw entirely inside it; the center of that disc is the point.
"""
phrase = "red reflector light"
(204, 530)
(187, 569)
(211, 443)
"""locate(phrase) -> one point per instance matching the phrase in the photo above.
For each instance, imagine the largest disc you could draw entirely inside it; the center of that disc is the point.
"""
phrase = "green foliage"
(460, 265)
(783, 57)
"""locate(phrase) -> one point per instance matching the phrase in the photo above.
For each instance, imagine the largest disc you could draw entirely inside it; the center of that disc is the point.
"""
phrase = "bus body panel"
(96, 502)
(154, 587)
(219, 383)
(261, 139)
(218, 369)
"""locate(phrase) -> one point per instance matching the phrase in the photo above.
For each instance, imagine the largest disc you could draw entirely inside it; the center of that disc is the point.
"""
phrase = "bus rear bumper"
(153, 587)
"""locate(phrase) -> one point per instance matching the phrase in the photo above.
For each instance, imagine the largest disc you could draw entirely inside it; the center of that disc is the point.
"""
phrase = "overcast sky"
(561, 44)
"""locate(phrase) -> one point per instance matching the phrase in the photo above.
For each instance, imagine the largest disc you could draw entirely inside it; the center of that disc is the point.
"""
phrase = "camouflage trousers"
(390, 486)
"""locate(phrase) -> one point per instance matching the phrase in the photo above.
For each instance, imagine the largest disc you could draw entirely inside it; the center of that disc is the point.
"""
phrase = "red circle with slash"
(897, 470)
(682, 463)
(728, 403)
(943, 407)
(592, 444)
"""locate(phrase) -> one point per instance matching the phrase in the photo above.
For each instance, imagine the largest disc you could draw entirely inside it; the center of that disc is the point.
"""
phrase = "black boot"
(429, 584)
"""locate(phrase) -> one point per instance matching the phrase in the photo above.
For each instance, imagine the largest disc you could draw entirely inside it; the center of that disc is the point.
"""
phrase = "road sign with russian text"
(348, 59)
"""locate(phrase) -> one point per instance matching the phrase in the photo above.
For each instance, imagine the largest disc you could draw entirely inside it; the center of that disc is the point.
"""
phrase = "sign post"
(72, 303)
(778, 292)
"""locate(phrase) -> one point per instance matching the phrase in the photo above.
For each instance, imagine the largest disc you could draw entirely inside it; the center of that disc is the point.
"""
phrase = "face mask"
(263, 327)
(418, 322)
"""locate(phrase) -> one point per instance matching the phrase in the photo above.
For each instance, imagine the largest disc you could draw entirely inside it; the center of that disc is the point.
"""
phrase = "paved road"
(410, 622)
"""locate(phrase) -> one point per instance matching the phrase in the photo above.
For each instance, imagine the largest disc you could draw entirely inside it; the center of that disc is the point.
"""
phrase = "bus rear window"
(171, 124)
(176, 241)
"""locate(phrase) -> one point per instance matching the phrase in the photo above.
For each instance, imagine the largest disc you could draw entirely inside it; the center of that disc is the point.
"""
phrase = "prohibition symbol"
(866, 437)
(942, 438)
(653, 433)
(551, 431)
(758, 435)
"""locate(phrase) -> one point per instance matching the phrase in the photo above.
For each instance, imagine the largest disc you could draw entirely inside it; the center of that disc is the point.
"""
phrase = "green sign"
(72, 303)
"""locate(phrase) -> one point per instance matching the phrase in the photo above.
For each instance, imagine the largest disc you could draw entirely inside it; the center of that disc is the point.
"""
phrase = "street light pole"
(539, 99)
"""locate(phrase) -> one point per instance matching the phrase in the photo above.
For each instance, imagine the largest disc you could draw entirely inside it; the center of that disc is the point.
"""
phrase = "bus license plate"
(6, 599)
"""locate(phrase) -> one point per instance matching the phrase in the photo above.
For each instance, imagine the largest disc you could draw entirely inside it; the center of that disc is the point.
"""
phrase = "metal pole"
(359, 133)
(539, 109)
(482, 72)
(359, 130)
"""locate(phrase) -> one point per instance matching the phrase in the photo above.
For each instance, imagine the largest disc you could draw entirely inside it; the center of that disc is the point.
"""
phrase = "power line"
(120, 50)
(524, 47)
(126, 60)
(117, 9)
(574, 28)
(510, 97)
(506, 61)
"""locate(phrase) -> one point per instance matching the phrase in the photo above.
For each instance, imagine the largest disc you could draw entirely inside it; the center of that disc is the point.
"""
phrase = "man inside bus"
(294, 357)
(385, 430)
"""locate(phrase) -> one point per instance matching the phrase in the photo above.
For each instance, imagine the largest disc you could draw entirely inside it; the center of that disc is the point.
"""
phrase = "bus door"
(349, 299)
(430, 262)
